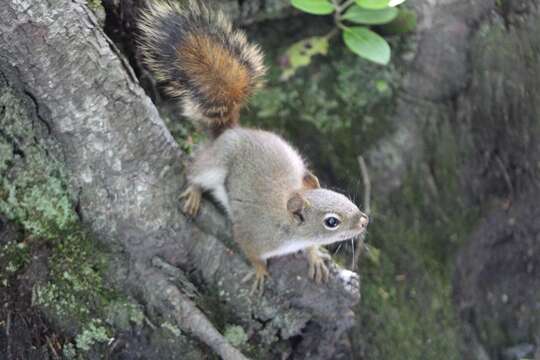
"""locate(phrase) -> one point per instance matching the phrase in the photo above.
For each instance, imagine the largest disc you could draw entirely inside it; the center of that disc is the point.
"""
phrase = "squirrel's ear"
(296, 205)
(311, 181)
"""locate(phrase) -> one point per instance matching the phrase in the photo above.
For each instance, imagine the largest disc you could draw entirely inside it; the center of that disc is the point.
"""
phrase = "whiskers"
(361, 246)
(338, 249)
(353, 240)
(358, 246)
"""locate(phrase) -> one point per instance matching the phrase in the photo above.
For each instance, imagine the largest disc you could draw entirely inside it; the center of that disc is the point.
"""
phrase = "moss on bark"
(34, 193)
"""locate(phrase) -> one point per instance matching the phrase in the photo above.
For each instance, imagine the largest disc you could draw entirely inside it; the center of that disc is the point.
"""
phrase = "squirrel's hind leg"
(192, 202)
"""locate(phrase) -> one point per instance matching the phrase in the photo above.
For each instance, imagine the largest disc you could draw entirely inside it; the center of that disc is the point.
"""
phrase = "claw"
(323, 254)
(192, 196)
(260, 277)
(258, 285)
(248, 276)
(317, 268)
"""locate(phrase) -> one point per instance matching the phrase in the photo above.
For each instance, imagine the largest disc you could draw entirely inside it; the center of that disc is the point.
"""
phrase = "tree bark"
(126, 173)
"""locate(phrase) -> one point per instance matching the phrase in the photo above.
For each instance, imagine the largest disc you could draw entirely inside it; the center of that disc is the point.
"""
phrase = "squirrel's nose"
(364, 221)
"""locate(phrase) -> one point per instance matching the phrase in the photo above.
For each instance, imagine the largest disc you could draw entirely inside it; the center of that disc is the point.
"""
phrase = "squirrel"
(275, 204)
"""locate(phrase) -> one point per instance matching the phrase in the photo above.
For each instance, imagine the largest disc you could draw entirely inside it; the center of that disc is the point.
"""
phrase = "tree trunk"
(125, 175)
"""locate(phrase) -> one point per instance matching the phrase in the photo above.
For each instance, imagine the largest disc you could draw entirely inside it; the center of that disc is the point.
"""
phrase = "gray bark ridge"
(127, 170)
(439, 72)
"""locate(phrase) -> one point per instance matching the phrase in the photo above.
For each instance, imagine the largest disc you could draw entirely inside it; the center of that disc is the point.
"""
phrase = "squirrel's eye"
(331, 222)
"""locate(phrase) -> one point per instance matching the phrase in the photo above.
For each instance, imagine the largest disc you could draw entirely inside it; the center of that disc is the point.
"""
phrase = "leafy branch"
(352, 19)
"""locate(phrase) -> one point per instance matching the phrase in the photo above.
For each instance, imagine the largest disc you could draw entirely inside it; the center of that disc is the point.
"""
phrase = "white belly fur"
(213, 180)
(289, 247)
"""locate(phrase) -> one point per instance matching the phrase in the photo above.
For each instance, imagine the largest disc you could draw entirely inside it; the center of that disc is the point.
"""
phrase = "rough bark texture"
(496, 281)
(436, 76)
(126, 172)
(476, 68)
(244, 12)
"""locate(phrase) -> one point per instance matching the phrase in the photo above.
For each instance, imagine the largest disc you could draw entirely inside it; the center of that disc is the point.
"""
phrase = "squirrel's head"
(324, 216)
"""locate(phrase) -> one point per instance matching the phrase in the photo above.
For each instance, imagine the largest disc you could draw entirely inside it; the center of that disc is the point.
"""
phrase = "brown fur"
(218, 73)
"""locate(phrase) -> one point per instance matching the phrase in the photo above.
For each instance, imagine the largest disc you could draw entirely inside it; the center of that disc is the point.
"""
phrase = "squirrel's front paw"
(258, 284)
(192, 203)
(261, 273)
(317, 268)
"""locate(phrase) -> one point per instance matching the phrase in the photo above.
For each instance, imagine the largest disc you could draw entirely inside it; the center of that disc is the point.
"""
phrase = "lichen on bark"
(33, 188)
(34, 193)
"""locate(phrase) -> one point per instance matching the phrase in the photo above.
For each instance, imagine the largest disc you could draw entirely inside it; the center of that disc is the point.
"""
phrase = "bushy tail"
(199, 59)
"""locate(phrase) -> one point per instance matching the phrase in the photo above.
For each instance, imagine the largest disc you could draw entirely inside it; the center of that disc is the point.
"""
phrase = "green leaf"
(367, 44)
(300, 54)
(373, 4)
(371, 17)
(316, 7)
